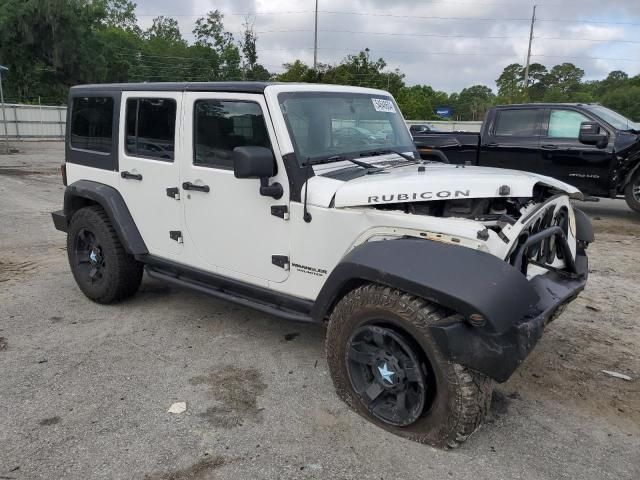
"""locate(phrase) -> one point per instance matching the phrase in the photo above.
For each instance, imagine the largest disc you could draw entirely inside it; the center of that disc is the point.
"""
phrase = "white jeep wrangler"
(310, 202)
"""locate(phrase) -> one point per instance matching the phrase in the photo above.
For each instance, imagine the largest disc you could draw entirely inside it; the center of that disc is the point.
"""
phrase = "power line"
(421, 17)
(435, 35)
(419, 52)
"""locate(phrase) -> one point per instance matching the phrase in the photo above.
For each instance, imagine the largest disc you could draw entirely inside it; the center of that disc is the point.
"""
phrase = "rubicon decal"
(406, 197)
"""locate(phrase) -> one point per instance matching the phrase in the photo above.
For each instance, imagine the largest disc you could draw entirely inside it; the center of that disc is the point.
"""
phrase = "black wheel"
(100, 265)
(632, 193)
(385, 365)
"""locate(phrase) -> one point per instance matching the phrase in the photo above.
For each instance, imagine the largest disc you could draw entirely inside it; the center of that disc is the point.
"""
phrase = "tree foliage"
(50, 45)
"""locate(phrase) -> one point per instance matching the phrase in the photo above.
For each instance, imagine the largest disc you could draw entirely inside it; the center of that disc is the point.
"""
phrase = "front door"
(230, 226)
(564, 157)
(148, 167)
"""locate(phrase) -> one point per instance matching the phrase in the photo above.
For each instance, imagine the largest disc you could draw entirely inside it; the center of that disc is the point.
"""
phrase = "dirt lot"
(85, 389)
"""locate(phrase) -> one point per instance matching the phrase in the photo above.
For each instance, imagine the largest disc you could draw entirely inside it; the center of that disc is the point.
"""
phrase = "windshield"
(614, 119)
(334, 124)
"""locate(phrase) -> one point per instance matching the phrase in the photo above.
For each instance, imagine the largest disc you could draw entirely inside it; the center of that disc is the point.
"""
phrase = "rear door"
(564, 157)
(231, 227)
(513, 140)
(148, 167)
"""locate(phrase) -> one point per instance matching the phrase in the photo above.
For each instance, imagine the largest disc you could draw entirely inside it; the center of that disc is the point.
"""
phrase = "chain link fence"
(32, 122)
(28, 122)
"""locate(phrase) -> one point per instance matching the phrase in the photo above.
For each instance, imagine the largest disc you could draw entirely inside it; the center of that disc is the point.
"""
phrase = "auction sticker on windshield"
(383, 105)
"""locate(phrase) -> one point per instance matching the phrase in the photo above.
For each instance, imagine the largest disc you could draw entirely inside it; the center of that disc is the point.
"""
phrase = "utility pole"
(4, 116)
(315, 41)
(526, 70)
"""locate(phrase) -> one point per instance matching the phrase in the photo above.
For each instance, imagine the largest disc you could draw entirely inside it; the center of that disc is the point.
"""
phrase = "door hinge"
(173, 192)
(281, 211)
(176, 235)
(281, 261)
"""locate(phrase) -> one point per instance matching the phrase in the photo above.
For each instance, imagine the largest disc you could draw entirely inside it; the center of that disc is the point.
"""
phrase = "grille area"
(544, 240)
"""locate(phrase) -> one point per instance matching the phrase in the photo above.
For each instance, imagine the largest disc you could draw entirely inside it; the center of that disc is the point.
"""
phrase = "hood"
(432, 181)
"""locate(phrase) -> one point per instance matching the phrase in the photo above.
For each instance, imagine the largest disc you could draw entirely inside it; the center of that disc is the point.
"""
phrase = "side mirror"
(257, 162)
(592, 134)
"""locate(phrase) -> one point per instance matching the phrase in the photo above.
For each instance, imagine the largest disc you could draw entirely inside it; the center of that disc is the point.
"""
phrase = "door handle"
(131, 176)
(199, 188)
(491, 145)
(549, 147)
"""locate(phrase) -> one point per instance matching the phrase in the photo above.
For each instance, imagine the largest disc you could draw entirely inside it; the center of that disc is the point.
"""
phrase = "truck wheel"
(632, 193)
(385, 366)
(102, 268)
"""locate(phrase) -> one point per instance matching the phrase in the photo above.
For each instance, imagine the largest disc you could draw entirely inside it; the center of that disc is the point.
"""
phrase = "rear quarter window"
(92, 124)
(517, 123)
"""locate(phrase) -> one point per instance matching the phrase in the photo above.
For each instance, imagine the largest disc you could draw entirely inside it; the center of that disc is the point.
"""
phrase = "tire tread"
(472, 390)
(126, 276)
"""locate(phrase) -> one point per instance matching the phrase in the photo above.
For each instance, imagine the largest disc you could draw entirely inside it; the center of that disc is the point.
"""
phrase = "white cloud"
(446, 44)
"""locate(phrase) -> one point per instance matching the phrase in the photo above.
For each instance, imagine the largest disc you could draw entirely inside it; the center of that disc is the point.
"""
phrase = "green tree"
(121, 14)
(565, 78)
(298, 71)
(537, 76)
(624, 100)
(166, 30)
(511, 84)
(473, 102)
(360, 70)
(252, 69)
(416, 102)
(49, 45)
(210, 34)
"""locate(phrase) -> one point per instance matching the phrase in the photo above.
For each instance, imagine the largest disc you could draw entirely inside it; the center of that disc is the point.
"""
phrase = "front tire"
(102, 268)
(385, 366)
(632, 193)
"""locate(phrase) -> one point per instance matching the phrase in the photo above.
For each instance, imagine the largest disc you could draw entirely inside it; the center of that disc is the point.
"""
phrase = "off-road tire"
(122, 273)
(462, 397)
(633, 200)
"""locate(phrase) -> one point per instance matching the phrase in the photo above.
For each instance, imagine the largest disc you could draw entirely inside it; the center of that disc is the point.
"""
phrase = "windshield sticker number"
(382, 105)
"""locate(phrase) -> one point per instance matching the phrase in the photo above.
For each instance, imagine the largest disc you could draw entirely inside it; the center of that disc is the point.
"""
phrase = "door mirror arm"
(274, 191)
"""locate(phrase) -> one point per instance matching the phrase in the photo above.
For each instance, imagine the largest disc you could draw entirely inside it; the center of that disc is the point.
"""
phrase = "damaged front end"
(541, 237)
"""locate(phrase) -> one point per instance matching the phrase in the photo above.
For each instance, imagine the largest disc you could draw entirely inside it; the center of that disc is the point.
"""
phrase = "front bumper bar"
(498, 355)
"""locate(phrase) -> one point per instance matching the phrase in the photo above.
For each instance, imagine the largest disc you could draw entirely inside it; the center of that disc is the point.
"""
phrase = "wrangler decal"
(405, 197)
(319, 272)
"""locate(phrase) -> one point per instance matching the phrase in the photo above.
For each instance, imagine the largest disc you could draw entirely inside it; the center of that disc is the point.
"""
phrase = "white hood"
(437, 182)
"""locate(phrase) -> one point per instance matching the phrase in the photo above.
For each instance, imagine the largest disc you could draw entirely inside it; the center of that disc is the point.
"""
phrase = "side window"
(151, 127)
(565, 124)
(92, 124)
(221, 126)
(517, 123)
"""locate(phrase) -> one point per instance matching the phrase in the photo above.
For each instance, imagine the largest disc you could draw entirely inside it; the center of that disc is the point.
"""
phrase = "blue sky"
(448, 44)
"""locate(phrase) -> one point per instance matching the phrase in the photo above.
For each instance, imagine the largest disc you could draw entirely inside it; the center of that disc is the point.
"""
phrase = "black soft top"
(239, 87)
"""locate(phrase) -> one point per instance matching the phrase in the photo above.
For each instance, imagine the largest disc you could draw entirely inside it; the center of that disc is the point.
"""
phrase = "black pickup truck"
(586, 145)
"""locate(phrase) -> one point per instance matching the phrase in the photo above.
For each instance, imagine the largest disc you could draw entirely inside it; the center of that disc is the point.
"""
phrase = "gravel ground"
(85, 389)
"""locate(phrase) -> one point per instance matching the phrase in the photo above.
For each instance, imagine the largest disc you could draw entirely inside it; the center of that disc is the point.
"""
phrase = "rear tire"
(102, 268)
(632, 193)
(449, 401)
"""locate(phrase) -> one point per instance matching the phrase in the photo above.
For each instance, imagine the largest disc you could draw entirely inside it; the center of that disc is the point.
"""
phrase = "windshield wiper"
(339, 158)
(374, 153)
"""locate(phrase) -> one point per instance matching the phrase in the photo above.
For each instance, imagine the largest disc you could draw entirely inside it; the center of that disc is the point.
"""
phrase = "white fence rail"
(444, 126)
(26, 122)
(48, 122)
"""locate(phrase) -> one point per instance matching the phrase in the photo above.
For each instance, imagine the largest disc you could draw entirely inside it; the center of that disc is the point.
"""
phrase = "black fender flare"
(109, 198)
(464, 280)
(584, 228)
